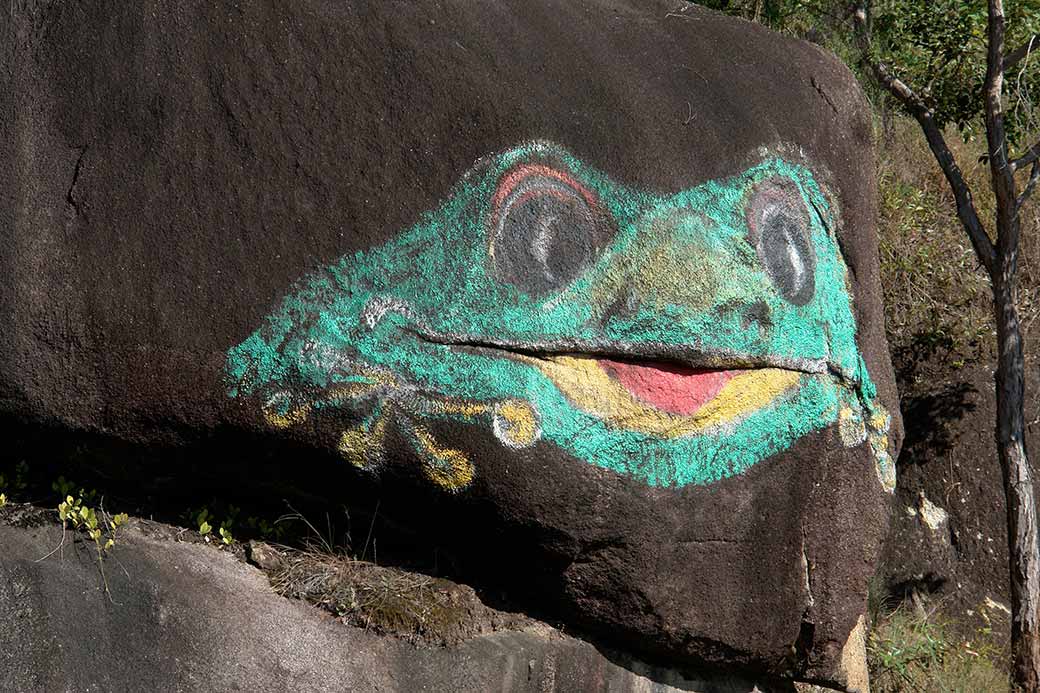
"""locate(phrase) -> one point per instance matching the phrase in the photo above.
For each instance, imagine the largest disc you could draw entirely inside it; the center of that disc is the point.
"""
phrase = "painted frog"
(674, 339)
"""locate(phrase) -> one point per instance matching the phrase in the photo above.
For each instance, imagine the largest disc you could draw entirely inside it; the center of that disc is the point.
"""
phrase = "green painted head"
(674, 339)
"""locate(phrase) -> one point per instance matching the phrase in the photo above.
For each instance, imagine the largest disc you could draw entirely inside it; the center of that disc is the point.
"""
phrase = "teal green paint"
(441, 271)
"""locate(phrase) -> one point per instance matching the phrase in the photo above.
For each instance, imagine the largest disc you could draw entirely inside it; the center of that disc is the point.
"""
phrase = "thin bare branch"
(1031, 156)
(966, 212)
(1016, 56)
(1034, 176)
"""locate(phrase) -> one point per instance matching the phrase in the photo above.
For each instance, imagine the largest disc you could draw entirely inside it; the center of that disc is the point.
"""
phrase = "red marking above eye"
(516, 175)
(669, 387)
(543, 228)
(529, 194)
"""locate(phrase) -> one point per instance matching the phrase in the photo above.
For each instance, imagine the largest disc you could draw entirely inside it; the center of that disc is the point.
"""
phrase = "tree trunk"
(1024, 558)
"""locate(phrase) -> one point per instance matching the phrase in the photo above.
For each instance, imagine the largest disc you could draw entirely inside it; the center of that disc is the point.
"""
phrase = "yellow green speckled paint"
(498, 308)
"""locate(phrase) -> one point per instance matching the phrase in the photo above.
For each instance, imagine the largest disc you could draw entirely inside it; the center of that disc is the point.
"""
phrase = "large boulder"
(586, 291)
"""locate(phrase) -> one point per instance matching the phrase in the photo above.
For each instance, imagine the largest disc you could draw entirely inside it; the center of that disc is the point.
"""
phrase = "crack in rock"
(70, 198)
(819, 89)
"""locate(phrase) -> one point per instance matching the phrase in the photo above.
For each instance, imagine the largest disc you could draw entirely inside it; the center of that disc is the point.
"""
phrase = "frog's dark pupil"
(545, 236)
(778, 221)
(784, 249)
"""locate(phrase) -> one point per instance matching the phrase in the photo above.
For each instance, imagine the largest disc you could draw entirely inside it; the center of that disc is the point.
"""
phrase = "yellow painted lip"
(590, 388)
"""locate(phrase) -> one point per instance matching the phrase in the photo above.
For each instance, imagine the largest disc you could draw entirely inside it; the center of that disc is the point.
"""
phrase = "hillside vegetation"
(937, 303)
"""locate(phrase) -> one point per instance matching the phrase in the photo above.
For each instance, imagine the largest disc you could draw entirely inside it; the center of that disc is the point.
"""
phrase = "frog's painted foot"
(514, 422)
(877, 433)
(855, 428)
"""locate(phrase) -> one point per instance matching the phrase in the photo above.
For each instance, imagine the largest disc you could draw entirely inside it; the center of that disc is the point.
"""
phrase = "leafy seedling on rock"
(101, 527)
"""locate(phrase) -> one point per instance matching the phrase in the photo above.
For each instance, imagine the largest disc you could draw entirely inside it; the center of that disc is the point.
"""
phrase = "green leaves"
(68, 511)
(101, 529)
(206, 529)
(938, 47)
(202, 520)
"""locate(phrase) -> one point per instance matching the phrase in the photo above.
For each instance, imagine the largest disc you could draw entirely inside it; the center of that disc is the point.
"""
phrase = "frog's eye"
(779, 223)
(545, 228)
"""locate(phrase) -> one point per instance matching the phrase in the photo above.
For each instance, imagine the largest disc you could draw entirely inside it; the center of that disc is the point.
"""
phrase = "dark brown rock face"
(948, 535)
(585, 290)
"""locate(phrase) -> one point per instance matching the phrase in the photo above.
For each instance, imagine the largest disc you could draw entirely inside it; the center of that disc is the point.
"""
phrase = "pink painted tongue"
(667, 386)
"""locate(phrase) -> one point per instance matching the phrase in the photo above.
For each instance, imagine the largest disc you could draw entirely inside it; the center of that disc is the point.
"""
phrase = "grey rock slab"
(188, 617)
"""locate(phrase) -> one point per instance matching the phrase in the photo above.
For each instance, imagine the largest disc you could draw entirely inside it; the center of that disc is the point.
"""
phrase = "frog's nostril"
(758, 313)
(624, 305)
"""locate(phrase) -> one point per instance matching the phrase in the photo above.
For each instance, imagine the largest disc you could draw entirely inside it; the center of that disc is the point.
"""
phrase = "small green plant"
(268, 531)
(910, 651)
(101, 527)
(65, 488)
(102, 530)
(3, 499)
(205, 528)
(62, 486)
(223, 529)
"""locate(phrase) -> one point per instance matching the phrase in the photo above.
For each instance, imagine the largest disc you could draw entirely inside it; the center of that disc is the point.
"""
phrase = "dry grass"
(389, 601)
(366, 595)
(915, 651)
(937, 299)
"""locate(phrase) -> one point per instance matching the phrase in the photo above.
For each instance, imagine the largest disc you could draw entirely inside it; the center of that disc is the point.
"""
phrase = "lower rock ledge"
(182, 616)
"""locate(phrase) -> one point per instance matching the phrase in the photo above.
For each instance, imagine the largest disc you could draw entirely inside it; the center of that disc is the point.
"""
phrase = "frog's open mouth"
(670, 387)
(666, 399)
(664, 390)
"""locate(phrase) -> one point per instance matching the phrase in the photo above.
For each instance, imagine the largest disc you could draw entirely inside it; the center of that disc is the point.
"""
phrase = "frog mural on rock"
(674, 339)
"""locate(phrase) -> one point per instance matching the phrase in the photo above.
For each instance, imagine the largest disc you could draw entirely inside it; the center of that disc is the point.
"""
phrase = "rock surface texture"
(187, 617)
(585, 290)
(948, 535)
